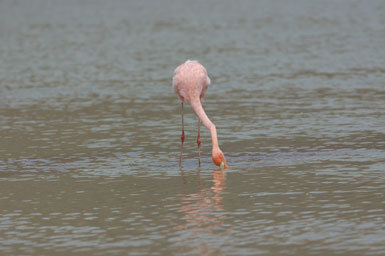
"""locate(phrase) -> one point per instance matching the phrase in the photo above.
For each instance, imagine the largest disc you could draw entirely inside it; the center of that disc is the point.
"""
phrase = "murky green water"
(90, 128)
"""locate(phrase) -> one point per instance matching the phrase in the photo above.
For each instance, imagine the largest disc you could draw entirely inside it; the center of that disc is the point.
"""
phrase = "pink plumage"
(190, 82)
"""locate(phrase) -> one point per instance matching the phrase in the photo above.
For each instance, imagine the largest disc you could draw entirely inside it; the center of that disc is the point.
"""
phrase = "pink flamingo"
(190, 82)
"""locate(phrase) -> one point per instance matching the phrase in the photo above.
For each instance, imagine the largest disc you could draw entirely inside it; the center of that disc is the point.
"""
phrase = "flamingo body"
(190, 82)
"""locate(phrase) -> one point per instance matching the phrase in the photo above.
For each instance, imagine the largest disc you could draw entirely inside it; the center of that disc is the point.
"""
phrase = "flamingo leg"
(182, 140)
(199, 141)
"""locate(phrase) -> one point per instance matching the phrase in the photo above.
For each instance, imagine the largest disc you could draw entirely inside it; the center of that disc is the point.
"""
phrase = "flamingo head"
(219, 159)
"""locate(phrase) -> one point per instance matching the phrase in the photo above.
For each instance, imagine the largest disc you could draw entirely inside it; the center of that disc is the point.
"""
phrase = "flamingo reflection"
(204, 219)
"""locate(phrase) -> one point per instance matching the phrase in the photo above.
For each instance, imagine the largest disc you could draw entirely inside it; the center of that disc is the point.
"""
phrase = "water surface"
(90, 128)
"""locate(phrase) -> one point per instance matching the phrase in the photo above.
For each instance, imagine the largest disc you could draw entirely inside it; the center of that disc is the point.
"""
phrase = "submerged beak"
(223, 165)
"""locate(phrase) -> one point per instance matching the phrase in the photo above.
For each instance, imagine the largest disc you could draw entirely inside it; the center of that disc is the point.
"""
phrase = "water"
(90, 128)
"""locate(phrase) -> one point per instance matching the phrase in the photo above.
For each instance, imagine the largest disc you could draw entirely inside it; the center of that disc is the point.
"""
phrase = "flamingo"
(190, 82)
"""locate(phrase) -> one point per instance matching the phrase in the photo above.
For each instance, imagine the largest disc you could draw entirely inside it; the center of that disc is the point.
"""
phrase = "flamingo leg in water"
(199, 141)
(182, 139)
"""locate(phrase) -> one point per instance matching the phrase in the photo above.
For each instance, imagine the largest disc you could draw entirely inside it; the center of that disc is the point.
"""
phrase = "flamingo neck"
(197, 106)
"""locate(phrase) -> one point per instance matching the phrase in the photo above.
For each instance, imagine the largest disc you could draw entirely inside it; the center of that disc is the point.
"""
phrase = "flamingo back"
(190, 81)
